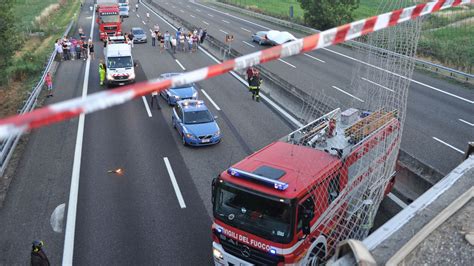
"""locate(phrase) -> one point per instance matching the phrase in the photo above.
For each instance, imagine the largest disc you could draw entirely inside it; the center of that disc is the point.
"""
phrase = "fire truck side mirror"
(306, 222)
(214, 182)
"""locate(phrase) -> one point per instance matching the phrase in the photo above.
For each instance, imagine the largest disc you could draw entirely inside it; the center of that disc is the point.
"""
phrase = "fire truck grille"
(110, 27)
(256, 256)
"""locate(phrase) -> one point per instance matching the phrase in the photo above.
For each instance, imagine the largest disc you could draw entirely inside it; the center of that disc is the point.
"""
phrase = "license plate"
(121, 84)
(206, 140)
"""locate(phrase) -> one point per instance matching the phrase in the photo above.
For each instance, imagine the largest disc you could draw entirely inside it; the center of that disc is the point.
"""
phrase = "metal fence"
(7, 147)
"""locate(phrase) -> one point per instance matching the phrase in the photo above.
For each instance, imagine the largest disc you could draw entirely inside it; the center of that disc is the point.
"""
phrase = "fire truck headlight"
(217, 254)
(273, 251)
(132, 76)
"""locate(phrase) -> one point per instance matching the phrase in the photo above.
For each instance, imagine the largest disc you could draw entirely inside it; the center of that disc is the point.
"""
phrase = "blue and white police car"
(173, 95)
(195, 123)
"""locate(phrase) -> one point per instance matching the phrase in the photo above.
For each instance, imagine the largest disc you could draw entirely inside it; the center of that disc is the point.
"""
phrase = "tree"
(8, 37)
(326, 14)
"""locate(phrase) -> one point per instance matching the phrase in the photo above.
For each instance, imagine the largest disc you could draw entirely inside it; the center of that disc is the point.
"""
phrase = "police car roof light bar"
(251, 176)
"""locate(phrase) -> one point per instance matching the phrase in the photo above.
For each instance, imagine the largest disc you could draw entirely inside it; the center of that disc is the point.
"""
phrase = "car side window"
(180, 113)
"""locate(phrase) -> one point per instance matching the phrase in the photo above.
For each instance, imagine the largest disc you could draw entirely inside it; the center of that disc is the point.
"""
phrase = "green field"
(26, 10)
(280, 8)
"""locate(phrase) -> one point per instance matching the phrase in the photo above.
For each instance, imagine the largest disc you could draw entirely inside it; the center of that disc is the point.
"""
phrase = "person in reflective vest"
(102, 73)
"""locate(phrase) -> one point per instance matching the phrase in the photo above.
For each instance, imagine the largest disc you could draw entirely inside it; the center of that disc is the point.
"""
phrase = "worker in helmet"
(253, 78)
(38, 257)
(102, 72)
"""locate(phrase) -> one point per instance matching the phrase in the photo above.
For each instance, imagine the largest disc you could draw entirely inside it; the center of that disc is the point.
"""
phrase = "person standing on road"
(147, 17)
(154, 98)
(204, 34)
(91, 49)
(161, 40)
(131, 36)
(166, 37)
(136, 7)
(101, 73)
(153, 38)
(182, 43)
(59, 50)
(38, 257)
(85, 50)
(254, 83)
(173, 44)
(49, 83)
(156, 27)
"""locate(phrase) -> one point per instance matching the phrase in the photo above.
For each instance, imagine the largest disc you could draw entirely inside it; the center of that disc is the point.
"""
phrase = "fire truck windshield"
(263, 216)
(110, 18)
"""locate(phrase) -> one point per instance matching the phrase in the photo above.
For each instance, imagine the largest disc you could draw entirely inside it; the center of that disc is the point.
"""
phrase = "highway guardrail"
(7, 147)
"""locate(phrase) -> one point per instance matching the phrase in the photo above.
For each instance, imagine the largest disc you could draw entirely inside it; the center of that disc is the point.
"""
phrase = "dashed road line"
(177, 191)
(211, 100)
(179, 63)
(283, 61)
(449, 145)
(205, 22)
(143, 22)
(245, 29)
(225, 21)
(198, 10)
(138, 15)
(182, 11)
(146, 106)
(376, 84)
(465, 122)
(315, 58)
(192, 16)
(249, 44)
(210, 15)
(345, 92)
(225, 32)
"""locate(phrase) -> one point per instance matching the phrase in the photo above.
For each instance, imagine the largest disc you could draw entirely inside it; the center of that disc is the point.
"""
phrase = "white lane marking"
(283, 61)
(68, 250)
(315, 58)
(151, 31)
(251, 45)
(146, 106)
(188, 6)
(225, 21)
(205, 22)
(192, 16)
(398, 75)
(210, 15)
(282, 111)
(464, 121)
(143, 22)
(346, 56)
(138, 15)
(245, 29)
(279, 109)
(211, 100)
(179, 63)
(173, 6)
(449, 145)
(345, 92)
(57, 218)
(198, 10)
(376, 84)
(182, 11)
(177, 191)
(397, 200)
(225, 32)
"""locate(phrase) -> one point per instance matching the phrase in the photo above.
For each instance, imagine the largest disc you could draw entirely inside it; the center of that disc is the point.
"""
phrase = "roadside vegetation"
(33, 26)
(447, 37)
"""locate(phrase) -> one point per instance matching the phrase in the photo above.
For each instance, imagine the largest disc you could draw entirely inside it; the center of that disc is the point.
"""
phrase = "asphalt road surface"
(438, 126)
(159, 210)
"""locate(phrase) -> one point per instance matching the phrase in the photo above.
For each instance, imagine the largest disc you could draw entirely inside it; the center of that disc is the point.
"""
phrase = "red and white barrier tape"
(98, 101)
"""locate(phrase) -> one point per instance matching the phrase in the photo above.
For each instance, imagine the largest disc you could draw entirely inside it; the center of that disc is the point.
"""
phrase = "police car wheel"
(183, 140)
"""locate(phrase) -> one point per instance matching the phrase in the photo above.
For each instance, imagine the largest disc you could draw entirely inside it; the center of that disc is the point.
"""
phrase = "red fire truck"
(108, 18)
(268, 207)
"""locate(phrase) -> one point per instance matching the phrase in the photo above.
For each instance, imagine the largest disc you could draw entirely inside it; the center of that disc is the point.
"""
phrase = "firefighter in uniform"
(253, 78)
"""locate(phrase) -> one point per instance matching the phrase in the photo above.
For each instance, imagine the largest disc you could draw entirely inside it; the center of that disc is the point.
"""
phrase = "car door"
(179, 118)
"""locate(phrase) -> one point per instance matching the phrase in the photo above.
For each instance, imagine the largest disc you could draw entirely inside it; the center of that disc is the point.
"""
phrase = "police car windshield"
(197, 117)
(138, 32)
(261, 216)
(119, 62)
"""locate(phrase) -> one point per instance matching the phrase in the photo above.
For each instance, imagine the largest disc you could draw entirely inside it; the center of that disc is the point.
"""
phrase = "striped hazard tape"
(98, 101)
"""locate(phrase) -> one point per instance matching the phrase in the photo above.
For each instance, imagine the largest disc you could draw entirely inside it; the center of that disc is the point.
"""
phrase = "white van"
(119, 64)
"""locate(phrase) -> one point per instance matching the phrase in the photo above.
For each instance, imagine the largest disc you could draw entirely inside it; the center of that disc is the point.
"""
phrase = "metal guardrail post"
(7, 147)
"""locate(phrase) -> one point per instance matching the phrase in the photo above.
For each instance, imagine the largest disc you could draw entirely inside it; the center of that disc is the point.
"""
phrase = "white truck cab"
(119, 64)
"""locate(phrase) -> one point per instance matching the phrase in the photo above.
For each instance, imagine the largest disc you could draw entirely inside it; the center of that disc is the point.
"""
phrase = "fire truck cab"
(108, 18)
(267, 207)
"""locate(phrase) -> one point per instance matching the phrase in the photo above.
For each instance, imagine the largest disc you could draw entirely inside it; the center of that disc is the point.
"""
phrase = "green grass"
(26, 10)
